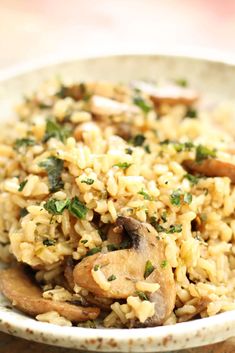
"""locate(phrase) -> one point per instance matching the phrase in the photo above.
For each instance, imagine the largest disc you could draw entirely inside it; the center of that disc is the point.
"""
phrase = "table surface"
(36, 29)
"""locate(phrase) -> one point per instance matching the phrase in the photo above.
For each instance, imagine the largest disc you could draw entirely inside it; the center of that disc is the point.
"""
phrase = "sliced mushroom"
(105, 106)
(170, 94)
(128, 266)
(27, 296)
(211, 168)
(200, 306)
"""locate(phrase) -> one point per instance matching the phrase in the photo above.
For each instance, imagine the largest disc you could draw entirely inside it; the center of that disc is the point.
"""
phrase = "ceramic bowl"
(216, 81)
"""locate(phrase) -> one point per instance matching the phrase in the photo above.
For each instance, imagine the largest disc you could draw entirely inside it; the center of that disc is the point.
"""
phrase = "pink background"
(36, 29)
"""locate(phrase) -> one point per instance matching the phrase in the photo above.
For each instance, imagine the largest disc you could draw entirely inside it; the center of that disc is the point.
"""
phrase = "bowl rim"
(171, 335)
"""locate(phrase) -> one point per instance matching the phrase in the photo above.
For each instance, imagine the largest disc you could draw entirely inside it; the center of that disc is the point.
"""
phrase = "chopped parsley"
(141, 295)
(88, 181)
(77, 208)
(56, 207)
(147, 149)
(164, 264)
(142, 104)
(84, 241)
(164, 216)
(55, 130)
(180, 147)
(174, 229)
(123, 165)
(112, 278)
(138, 140)
(49, 242)
(24, 142)
(93, 251)
(128, 150)
(192, 179)
(22, 185)
(181, 82)
(191, 113)
(112, 247)
(53, 167)
(96, 267)
(203, 152)
(188, 198)
(145, 195)
(148, 269)
(23, 212)
(175, 197)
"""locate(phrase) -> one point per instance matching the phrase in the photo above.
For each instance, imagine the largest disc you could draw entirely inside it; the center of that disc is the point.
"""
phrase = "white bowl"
(216, 80)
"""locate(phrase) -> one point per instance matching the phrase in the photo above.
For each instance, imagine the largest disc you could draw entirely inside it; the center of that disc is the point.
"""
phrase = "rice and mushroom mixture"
(117, 205)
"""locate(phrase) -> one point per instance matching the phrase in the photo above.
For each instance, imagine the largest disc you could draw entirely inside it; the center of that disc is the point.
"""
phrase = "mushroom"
(170, 94)
(105, 106)
(211, 168)
(25, 295)
(128, 266)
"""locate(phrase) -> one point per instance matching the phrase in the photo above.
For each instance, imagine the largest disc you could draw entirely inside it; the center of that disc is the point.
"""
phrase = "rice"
(113, 156)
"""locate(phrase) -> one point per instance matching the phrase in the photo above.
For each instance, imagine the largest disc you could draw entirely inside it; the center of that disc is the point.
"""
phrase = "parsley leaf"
(203, 152)
(56, 207)
(88, 181)
(191, 113)
(141, 295)
(53, 167)
(164, 216)
(188, 198)
(77, 208)
(175, 197)
(49, 242)
(96, 267)
(23, 142)
(175, 229)
(93, 251)
(142, 104)
(145, 195)
(164, 264)
(123, 165)
(112, 278)
(22, 185)
(192, 179)
(55, 130)
(148, 269)
(181, 82)
(138, 140)
(128, 150)
(147, 149)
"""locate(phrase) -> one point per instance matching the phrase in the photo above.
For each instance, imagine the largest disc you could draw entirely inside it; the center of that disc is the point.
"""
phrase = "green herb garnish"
(49, 242)
(145, 195)
(23, 212)
(55, 130)
(96, 267)
(56, 207)
(148, 269)
(138, 140)
(123, 165)
(203, 152)
(112, 247)
(22, 185)
(147, 149)
(175, 197)
(112, 278)
(53, 167)
(164, 216)
(24, 142)
(88, 181)
(141, 295)
(192, 179)
(128, 150)
(142, 104)
(191, 113)
(181, 82)
(164, 264)
(77, 208)
(188, 198)
(93, 251)
(84, 241)
(174, 229)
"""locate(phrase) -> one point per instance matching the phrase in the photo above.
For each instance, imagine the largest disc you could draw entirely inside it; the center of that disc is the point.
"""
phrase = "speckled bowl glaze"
(216, 81)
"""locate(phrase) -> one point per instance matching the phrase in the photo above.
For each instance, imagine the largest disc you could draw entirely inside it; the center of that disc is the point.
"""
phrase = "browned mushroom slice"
(211, 168)
(200, 306)
(105, 106)
(170, 94)
(127, 267)
(27, 296)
